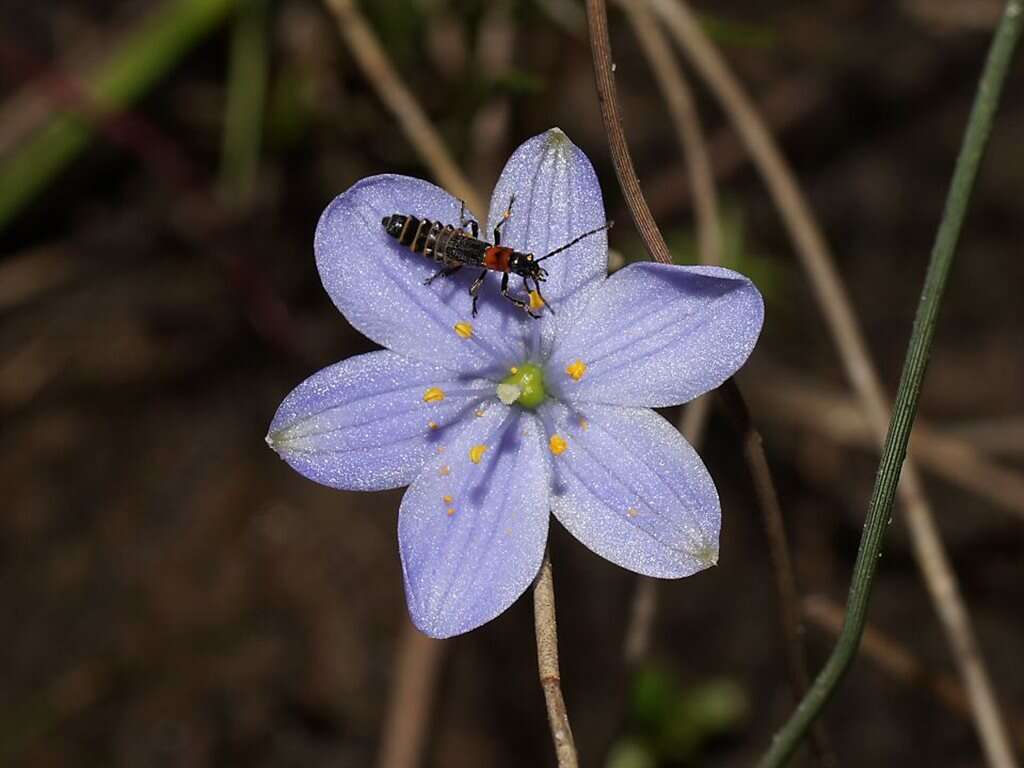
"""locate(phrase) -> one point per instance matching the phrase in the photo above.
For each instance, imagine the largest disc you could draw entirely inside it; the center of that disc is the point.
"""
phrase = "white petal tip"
(276, 440)
(557, 139)
(707, 555)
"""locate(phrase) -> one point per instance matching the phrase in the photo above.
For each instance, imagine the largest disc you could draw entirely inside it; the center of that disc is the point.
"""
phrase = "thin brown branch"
(601, 50)
(419, 656)
(899, 662)
(835, 304)
(686, 121)
(793, 400)
(495, 47)
(382, 77)
(416, 672)
(27, 276)
(547, 665)
(786, 591)
(1003, 436)
(690, 136)
(688, 128)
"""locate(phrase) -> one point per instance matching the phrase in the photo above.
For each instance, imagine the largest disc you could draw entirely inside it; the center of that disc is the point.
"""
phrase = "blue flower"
(500, 420)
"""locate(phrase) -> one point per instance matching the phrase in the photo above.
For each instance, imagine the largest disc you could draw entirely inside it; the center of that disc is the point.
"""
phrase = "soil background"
(172, 594)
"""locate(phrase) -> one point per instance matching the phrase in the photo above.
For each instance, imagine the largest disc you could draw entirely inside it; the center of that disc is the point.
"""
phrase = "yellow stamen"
(479, 412)
(576, 369)
(433, 395)
(451, 511)
(477, 452)
(513, 370)
(447, 499)
(536, 301)
(557, 445)
(464, 329)
(584, 424)
(439, 449)
(433, 425)
(444, 471)
(632, 512)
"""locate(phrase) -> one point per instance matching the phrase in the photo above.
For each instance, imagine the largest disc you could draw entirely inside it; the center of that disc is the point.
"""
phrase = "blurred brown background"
(173, 595)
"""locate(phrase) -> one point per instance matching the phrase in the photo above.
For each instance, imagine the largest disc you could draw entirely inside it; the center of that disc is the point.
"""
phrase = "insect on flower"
(496, 421)
(455, 248)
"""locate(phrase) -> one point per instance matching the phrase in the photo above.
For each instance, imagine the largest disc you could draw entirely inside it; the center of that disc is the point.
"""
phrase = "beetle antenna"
(571, 243)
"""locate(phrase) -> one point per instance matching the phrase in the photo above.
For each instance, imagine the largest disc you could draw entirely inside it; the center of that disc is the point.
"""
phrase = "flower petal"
(472, 528)
(378, 283)
(557, 198)
(658, 335)
(364, 424)
(629, 487)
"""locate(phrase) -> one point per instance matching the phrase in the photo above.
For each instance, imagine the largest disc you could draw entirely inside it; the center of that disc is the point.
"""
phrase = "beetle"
(455, 248)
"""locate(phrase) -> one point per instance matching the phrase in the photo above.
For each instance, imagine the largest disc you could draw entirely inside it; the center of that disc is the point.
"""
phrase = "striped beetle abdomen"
(423, 236)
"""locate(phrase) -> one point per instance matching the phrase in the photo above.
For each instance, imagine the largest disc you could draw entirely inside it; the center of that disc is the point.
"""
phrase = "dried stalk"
(683, 110)
(731, 396)
(547, 665)
(797, 402)
(835, 304)
(900, 663)
(392, 90)
(416, 672)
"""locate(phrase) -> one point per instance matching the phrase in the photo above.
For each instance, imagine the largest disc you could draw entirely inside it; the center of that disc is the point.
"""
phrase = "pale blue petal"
(468, 557)
(632, 489)
(659, 335)
(557, 197)
(378, 284)
(363, 424)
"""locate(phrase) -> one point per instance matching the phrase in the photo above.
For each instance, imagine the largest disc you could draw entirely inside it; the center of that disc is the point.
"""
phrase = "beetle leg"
(474, 289)
(507, 215)
(523, 305)
(536, 287)
(472, 223)
(446, 272)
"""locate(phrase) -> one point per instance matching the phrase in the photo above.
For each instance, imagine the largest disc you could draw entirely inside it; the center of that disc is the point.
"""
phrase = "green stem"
(905, 408)
(243, 113)
(141, 59)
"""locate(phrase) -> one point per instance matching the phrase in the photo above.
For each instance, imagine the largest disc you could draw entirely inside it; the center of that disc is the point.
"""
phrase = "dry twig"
(390, 88)
(835, 304)
(688, 129)
(683, 110)
(791, 399)
(419, 659)
(898, 661)
(547, 665)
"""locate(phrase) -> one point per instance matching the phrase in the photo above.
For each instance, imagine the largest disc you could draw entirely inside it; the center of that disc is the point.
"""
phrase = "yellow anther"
(444, 471)
(513, 370)
(433, 425)
(439, 450)
(479, 412)
(557, 445)
(433, 395)
(584, 424)
(464, 329)
(477, 452)
(447, 499)
(451, 511)
(576, 369)
(632, 512)
(536, 300)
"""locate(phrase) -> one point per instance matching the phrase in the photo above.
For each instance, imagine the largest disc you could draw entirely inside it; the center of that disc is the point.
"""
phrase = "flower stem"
(905, 408)
(547, 665)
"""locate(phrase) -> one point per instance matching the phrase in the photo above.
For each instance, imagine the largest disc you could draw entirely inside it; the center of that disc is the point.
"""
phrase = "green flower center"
(523, 386)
